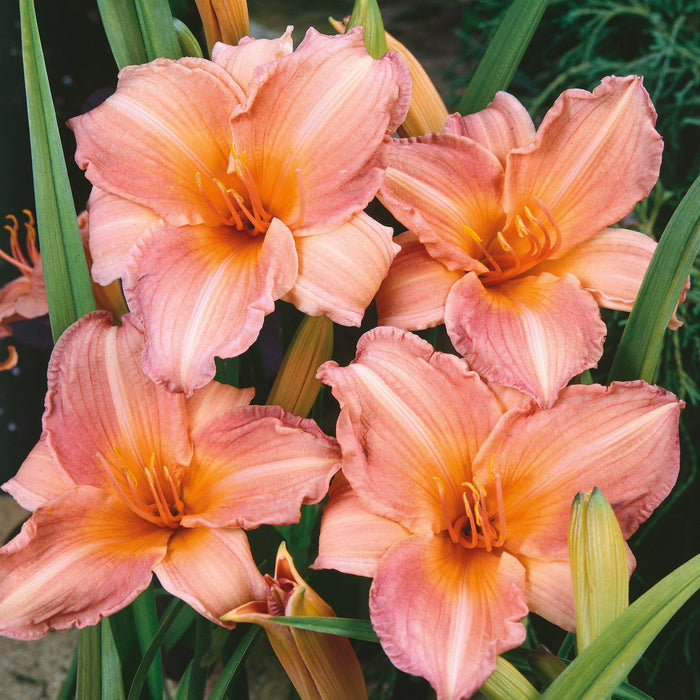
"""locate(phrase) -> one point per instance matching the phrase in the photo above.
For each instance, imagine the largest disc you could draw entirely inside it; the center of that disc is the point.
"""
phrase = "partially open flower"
(321, 666)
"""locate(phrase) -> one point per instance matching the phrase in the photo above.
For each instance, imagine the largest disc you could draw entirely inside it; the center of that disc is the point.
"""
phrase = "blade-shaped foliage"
(68, 288)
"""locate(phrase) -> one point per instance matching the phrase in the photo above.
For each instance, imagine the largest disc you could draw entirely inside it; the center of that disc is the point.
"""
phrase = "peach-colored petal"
(500, 127)
(344, 513)
(531, 333)
(204, 292)
(594, 157)
(240, 61)
(408, 415)
(611, 266)
(622, 439)
(414, 292)
(115, 224)
(167, 121)
(257, 465)
(101, 407)
(213, 399)
(9, 294)
(548, 590)
(445, 613)
(315, 127)
(340, 270)
(212, 569)
(436, 185)
(39, 479)
(79, 558)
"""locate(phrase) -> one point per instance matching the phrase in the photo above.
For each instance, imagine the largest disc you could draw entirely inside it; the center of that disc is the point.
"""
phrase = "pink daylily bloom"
(221, 186)
(509, 226)
(465, 501)
(129, 479)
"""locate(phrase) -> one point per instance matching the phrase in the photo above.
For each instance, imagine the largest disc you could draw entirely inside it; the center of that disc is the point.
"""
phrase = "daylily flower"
(507, 241)
(459, 509)
(129, 478)
(223, 185)
(319, 665)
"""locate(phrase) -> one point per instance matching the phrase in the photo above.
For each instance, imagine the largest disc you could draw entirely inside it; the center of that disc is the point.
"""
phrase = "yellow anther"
(472, 233)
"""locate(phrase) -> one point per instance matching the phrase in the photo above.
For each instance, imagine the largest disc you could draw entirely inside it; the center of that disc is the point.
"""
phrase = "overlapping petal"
(39, 479)
(501, 127)
(474, 599)
(414, 293)
(611, 266)
(622, 439)
(79, 558)
(341, 269)
(155, 124)
(343, 514)
(241, 61)
(329, 125)
(436, 185)
(412, 414)
(101, 408)
(516, 334)
(204, 292)
(257, 465)
(212, 569)
(115, 225)
(594, 157)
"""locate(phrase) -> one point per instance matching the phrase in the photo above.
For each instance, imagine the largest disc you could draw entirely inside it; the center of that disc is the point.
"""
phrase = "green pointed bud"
(188, 42)
(546, 665)
(599, 568)
(507, 683)
(365, 13)
(296, 387)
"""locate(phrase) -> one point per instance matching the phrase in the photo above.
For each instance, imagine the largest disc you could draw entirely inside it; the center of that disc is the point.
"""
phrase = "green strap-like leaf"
(154, 649)
(121, 24)
(503, 55)
(343, 626)
(146, 623)
(68, 287)
(640, 348)
(603, 665)
(89, 683)
(157, 29)
(220, 689)
(112, 686)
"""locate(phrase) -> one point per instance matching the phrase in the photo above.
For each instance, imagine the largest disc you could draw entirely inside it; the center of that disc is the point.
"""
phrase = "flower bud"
(599, 567)
(296, 387)
(366, 14)
(507, 683)
(321, 666)
(224, 20)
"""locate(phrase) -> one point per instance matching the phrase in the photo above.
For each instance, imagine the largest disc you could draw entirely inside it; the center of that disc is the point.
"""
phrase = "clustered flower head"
(222, 186)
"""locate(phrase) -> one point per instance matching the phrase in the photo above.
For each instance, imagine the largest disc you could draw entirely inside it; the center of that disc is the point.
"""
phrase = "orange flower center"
(528, 242)
(149, 491)
(25, 264)
(240, 205)
(477, 527)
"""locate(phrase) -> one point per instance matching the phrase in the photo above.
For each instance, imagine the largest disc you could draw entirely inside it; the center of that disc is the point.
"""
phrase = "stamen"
(16, 256)
(475, 237)
(475, 528)
(151, 504)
